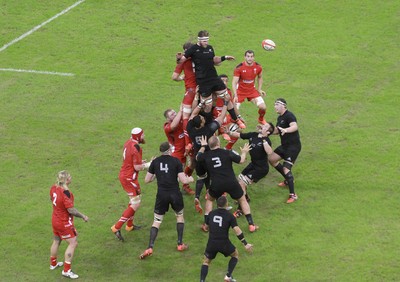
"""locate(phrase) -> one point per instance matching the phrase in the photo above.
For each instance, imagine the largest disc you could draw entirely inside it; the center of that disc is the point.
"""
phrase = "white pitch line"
(39, 72)
(39, 26)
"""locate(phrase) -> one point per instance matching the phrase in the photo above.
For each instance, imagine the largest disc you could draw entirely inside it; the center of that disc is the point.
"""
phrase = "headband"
(280, 102)
(203, 38)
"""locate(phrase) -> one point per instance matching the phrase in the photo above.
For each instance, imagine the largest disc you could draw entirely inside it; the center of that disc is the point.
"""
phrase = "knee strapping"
(245, 179)
(187, 110)
(222, 94)
(135, 200)
(287, 164)
(208, 101)
(158, 218)
(259, 101)
(179, 213)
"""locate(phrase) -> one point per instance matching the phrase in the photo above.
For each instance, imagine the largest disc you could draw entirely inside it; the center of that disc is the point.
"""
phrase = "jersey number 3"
(217, 162)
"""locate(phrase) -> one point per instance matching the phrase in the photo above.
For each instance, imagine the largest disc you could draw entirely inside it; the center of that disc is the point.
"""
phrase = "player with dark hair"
(204, 60)
(63, 223)
(167, 170)
(173, 128)
(218, 163)
(243, 84)
(258, 168)
(220, 221)
(197, 127)
(132, 163)
(290, 147)
(189, 78)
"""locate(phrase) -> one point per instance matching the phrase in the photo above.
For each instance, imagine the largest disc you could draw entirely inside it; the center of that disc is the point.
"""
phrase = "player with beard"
(128, 176)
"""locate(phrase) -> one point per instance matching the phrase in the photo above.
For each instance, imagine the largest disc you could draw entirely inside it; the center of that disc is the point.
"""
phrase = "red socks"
(53, 261)
(126, 215)
(67, 266)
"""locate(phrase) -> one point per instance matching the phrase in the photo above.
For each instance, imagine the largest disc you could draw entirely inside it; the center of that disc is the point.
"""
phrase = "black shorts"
(289, 153)
(201, 169)
(214, 247)
(233, 188)
(209, 85)
(255, 173)
(166, 198)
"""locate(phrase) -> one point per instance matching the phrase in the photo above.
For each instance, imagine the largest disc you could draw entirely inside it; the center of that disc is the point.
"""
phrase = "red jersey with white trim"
(247, 75)
(175, 137)
(187, 68)
(132, 155)
(62, 200)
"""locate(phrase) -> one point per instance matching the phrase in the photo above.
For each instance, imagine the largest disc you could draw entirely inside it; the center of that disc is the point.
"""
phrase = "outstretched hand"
(246, 148)
(203, 140)
(282, 130)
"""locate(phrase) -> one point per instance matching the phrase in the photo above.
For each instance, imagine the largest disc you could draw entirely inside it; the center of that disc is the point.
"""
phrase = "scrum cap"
(137, 133)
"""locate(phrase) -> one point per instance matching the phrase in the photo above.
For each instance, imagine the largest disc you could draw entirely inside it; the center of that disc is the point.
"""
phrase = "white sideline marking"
(40, 72)
(39, 26)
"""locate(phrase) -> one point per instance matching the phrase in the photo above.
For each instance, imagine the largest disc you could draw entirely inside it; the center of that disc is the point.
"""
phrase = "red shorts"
(254, 94)
(64, 232)
(131, 187)
(180, 156)
(189, 96)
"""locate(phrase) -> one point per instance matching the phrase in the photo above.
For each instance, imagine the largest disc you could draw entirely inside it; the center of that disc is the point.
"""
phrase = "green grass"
(337, 65)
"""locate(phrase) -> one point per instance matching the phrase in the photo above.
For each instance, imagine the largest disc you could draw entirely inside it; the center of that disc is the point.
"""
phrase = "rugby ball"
(233, 127)
(268, 45)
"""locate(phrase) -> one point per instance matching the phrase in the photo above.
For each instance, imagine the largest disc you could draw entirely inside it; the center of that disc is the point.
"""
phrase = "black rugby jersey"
(284, 122)
(219, 164)
(195, 134)
(203, 60)
(219, 222)
(258, 155)
(166, 168)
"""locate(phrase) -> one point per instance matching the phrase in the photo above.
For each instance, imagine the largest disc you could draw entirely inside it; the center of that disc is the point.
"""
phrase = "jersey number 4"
(164, 167)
